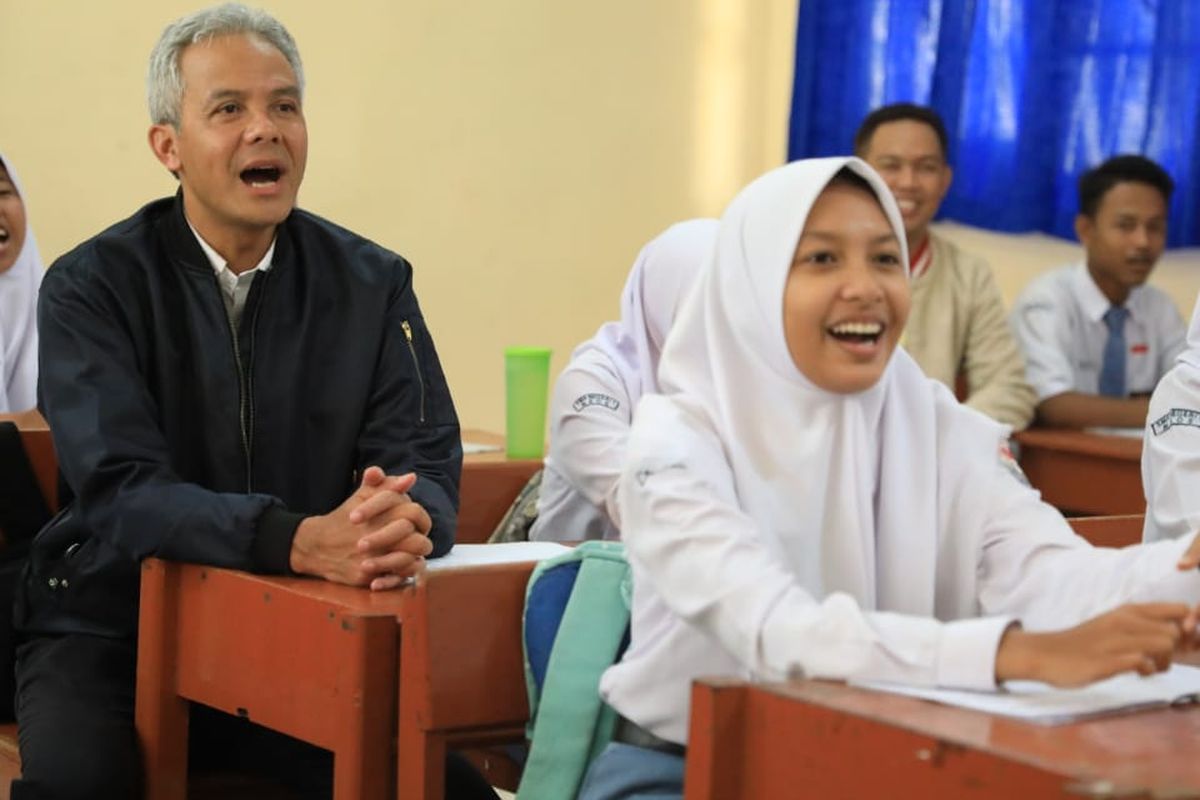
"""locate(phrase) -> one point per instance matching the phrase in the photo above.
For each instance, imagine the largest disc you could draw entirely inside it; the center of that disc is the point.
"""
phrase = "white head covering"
(18, 318)
(586, 447)
(661, 275)
(845, 476)
(774, 526)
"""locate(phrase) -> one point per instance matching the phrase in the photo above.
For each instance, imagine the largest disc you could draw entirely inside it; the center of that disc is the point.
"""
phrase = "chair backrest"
(1115, 531)
(27, 489)
(490, 487)
(576, 625)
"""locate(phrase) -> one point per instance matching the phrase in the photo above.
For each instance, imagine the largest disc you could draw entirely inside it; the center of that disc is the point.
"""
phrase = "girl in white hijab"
(800, 500)
(595, 396)
(20, 275)
(1171, 452)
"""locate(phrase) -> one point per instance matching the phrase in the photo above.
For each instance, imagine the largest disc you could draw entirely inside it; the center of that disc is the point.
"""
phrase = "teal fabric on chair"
(576, 625)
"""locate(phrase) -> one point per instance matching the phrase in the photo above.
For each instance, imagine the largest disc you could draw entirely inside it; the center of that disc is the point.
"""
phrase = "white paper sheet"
(473, 555)
(478, 447)
(1046, 705)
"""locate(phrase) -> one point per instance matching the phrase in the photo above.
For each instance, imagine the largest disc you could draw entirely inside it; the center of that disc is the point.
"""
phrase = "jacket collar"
(185, 250)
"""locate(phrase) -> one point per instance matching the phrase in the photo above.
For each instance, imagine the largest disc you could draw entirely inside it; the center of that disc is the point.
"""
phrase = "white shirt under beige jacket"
(958, 323)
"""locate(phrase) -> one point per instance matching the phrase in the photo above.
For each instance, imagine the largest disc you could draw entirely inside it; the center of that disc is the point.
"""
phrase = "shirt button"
(53, 583)
(64, 583)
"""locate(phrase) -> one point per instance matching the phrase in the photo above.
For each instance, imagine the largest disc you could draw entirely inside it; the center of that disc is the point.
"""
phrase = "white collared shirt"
(234, 288)
(1059, 322)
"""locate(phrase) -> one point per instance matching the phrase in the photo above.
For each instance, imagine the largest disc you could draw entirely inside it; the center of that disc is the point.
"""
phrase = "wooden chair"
(488, 488)
(39, 449)
(1115, 531)
(462, 675)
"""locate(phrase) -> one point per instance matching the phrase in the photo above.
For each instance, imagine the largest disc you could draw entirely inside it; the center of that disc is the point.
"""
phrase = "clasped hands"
(378, 537)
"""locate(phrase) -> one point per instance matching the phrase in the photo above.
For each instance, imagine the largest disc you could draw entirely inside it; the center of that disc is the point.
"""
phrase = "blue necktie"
(1112, 368)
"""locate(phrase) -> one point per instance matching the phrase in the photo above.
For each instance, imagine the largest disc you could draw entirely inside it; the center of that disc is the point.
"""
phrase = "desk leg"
(362, 763)
(420, 765)
(160, 714)
(713, 767)
(421, 753)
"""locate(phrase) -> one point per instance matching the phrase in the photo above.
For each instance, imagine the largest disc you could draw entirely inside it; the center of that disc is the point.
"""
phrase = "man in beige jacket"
(958, 325)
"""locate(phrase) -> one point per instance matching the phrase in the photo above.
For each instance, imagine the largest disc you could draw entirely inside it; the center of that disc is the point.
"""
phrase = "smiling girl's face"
(12, 221)
(847, 298)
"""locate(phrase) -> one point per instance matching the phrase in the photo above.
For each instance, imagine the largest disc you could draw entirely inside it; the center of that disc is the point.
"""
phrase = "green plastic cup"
(526, 381)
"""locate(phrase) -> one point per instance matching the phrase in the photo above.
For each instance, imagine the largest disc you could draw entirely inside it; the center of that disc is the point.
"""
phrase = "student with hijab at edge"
(800, 500)
(1171, 453)
(20, 275)
(595, 396)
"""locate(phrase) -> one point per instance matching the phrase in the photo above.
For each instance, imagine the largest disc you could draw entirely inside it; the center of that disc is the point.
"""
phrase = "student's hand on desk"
(378, 537)
(1139, 637)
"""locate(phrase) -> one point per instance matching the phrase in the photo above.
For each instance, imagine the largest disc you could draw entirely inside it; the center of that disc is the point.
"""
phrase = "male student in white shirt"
(1096, 338)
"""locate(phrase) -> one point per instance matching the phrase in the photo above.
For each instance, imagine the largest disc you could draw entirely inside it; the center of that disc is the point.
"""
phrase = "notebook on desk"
(471, 448)
(1043, 704)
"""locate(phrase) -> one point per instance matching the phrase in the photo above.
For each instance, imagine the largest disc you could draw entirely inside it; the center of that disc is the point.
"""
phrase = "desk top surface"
(1141, 750)
(1081, 442)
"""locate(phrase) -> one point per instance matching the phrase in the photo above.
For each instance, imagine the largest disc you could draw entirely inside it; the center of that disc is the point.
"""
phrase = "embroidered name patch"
(596, 399)
(1176, 416)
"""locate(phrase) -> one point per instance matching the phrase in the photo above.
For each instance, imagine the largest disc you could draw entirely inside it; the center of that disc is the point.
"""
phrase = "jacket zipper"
(248, 425)
(242, 383)
(408, 335)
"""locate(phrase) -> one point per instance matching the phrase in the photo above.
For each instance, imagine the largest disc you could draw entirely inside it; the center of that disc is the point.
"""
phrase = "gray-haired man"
(230, 381)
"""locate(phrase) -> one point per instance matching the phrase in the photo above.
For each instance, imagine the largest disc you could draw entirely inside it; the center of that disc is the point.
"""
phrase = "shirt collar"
(920, 259)
(1093, 301)
(221, 266)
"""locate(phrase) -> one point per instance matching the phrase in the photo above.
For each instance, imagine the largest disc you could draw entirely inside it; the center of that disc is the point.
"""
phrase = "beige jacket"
(958, 322)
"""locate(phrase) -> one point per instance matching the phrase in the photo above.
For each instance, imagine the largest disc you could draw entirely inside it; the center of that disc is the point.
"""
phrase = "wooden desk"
(1084, 473)
(491, 481)
(311, 659)
(462, 671)
(1115, 531)
(827, 740)
(321, 662)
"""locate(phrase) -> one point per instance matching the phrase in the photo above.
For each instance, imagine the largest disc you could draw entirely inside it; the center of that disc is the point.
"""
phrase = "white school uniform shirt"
(595, 396)
(1171, 451)
(18, 318)
(1059, 322)
(776, 529)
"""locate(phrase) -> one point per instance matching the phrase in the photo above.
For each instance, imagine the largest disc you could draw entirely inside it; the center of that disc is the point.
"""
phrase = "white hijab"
(18, 318)
(661, 275)
(852, 478)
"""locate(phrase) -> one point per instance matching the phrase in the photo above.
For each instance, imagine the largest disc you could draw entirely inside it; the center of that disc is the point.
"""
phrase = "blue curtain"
(1033, 92)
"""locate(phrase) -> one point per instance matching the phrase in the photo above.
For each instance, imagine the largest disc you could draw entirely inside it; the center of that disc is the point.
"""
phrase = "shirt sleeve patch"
(1009, 462)
(596, 399)
(1176, 416)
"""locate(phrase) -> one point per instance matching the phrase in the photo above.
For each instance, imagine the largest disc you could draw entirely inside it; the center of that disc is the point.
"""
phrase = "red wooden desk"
(1084, 473)
(462, 674)
(828, 740)
(309, 658)
(321, 662)
(491, 481)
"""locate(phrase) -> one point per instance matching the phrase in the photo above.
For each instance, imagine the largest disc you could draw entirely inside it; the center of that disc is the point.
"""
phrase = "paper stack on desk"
(475, 555)
(1046, 705)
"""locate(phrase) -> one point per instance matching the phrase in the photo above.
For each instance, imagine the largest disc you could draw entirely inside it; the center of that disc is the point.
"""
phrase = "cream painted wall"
(519, 154)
